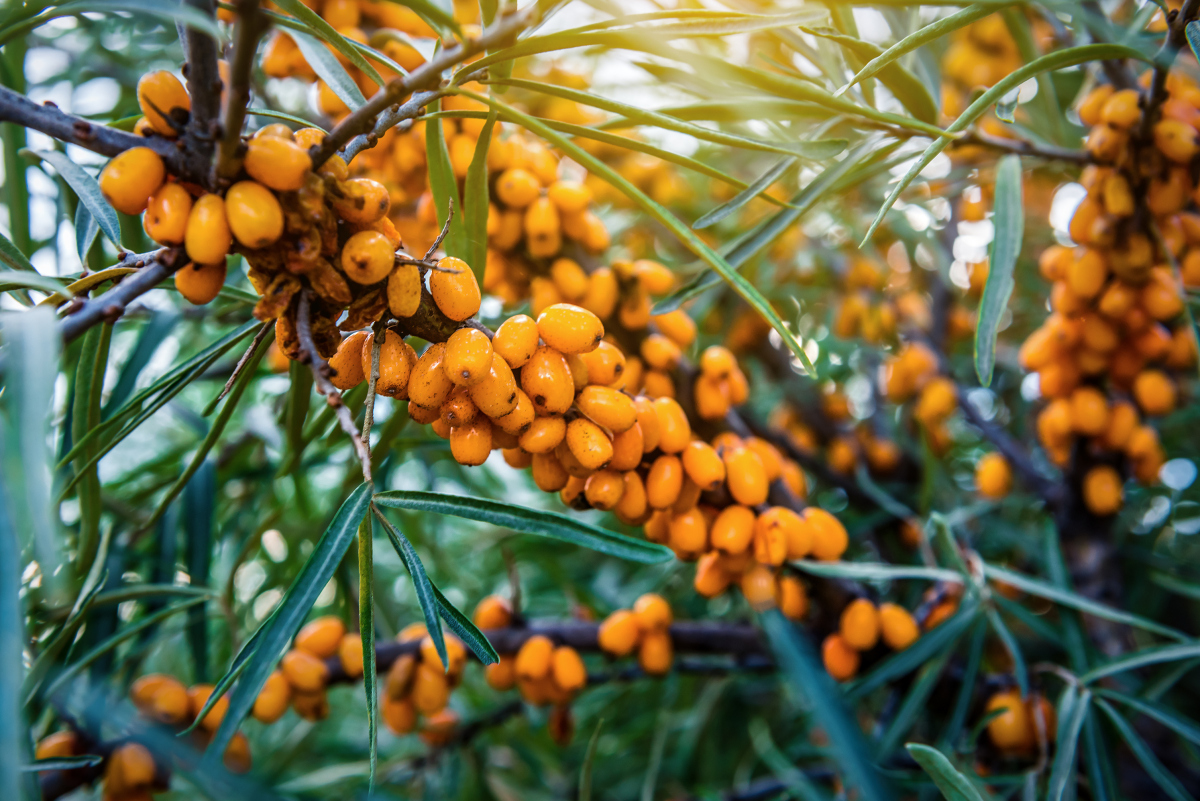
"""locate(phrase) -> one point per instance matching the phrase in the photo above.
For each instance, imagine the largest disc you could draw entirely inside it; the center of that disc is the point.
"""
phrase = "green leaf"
(1059, 59)
(935, 30)
(421, 583)
(63, 763)
(686, 236)
(366, 631)
(761, 237)
(1009, 224)
(11, 257)
(1071, 715)
(589, 760)
(85, 415)
(323, 29)
(746, 195)
(876, 571)
(85, 186)
(275, 635)
(816, 150)
(86, 231)
(31, 341)
(466, 630)
(966, 692)
(475, 201)
(1145, 755)
(1192, 31)
(1139, 659)
(1076, 601)
(177, 12)
(199, 508)
(1184, 727)
(244, 380)
(953, 784)
(152, 335)
(327, 67)
(1014, 650)
(906, 87)
(527, 521)
(14, 735)
(915, 701)
(279, 115)
(126, 632)
(810, 681)
(904, 662)
(11, 280)
(444, 187)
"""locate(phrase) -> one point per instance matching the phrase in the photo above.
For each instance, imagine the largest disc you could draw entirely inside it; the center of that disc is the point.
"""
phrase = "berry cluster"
(1104, 356)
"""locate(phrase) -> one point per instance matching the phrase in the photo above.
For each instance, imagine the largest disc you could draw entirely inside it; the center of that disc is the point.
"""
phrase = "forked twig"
(320, 370)
(437, 243)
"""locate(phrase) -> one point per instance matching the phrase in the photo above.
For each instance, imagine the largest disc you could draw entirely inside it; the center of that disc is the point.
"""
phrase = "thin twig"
(203, 81)
(250, 27)
(241, 363)
(1024, 148)
(437, 243)
(401, 117)
(50, 120)
(156, 267)
(372, 380)
(361, 122)
(321, 370)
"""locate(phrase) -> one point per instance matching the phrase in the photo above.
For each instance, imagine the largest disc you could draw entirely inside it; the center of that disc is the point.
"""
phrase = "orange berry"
(516, 340)
(588, 443)
(321, 637)
(273, 699)
(517, 188)
(745, 476)
(993, 476)
(367, 257)
(898, 627)
(396, 362)
(603, 489)
(207, 238)
(454, 289)
(60, 744)
(428, 384)
(304, 671)
(796, 536)
(859, 625)
(198, 696)
(200, 283)
(130, 768)
(653, 612)
(535, 658)
(607, 407)
(430, 689)
(159, 96)
(161, 697)
(167, 212)
(570, 329)
(793, 598)
(829, 537)
(546, 379)
(619, 633)
(493, 612)
(278, 163)
(655, 653)
(1154, 392)
(567, 669)
(254, 214)
(840, 659)
(1102, 491)
(468, 357)
(347, 363)
(544, 435)
(674, 431)
(703, 465)
(350, 655)
(1012, 729)
(399, 715)
(131, 178)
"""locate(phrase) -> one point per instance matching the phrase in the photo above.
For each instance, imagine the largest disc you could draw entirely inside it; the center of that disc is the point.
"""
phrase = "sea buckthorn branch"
(1117, 71)
(361, 122)
(1048, 489)
(1022, 147)
(321, 372)
(462, 736)
(154, 268)
(401, 116)
(203, 82)
(1174, 41)
(251, 25)
(107, 141)
(695, 637)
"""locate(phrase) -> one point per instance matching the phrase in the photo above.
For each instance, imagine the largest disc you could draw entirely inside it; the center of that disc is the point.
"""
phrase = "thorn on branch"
(437, 243)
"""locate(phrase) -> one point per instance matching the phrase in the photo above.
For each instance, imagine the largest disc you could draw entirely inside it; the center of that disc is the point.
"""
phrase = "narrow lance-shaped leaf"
(444, 188)
(1143, 658)
(199, 506)
(12, 643)
(276, 634)
(746, 195)
(906, 87)
(31, 344)
(475, 201)
(466, 630)
(326, 32)
(1062, 772)
(11, 280)
(328, 68)
(88, 190)
(528, 521)
(11, 257)
(1009, 225)
(809, 680)
(686, 236)
(1145, 755)
(589, 760)
(366, 632)
(86, 231)
(954, 785)
(421, 583)
(935, 30)
(1184, 727)
(1014, 650)
(1060, 59)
